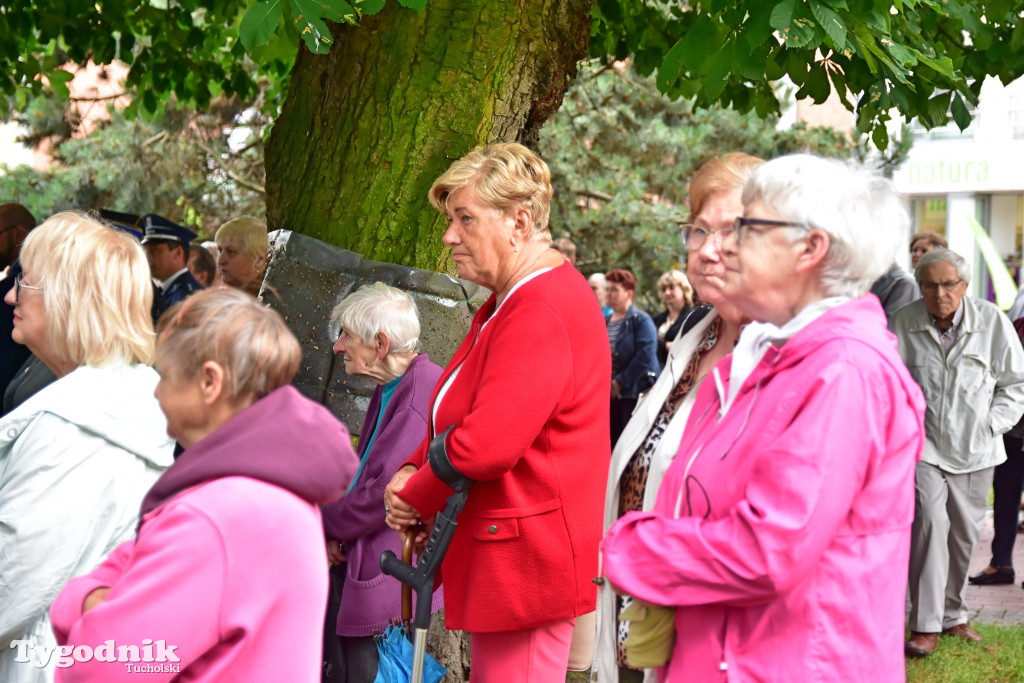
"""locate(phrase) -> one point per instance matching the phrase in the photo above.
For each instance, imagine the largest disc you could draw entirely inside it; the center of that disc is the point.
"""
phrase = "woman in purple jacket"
(379, 339)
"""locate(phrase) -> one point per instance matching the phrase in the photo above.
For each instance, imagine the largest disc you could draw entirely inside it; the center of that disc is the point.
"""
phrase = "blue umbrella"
(396, 657)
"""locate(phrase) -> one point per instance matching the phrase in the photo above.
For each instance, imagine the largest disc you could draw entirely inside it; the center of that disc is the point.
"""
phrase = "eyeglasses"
(742, 226)
(933, 287)
(19, 285)
(694, 236)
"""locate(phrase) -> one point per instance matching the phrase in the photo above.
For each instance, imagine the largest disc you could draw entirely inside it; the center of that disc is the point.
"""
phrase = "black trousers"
(1006, 484)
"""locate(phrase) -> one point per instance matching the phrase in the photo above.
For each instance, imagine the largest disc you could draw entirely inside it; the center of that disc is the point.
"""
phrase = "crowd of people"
(804, 434)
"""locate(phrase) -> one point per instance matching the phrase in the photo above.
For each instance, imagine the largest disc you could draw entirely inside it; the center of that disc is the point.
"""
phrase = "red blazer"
(530, 410)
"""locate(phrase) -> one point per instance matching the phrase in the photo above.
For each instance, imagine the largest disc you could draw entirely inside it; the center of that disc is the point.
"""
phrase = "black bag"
(333, 667)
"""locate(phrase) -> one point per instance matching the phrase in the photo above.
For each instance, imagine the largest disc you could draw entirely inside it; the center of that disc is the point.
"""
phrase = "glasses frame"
(936, 286)
(19, 285)
(741, 226)
(701, 230)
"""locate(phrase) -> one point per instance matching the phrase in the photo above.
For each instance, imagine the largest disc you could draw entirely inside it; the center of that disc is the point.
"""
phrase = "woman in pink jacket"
(781, 530)
(226, 580)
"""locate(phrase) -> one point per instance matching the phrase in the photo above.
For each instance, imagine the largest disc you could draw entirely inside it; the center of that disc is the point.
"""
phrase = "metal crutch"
(421, 577)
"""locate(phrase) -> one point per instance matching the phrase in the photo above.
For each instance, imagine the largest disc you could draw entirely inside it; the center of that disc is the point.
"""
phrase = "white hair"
(598, 279)
(963, 268)
(377, 308)
(858, 209)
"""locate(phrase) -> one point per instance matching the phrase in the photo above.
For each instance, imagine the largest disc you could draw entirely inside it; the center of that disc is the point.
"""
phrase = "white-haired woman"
(781, 531)
(76, 458)
(379, 339)
(676, 294)
(226, 572)
(242, 261)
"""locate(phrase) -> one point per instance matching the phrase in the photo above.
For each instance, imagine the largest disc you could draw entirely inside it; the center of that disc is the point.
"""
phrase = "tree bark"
(365, 130)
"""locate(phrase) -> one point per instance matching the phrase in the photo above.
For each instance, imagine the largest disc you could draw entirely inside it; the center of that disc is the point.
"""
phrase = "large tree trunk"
(366, 129)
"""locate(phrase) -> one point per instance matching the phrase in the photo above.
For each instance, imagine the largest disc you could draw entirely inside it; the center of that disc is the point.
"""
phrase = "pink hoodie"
(229, 568)
(788, 561)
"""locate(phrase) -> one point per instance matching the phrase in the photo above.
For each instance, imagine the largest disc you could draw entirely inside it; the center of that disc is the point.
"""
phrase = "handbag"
(651, 635)
(652, 628)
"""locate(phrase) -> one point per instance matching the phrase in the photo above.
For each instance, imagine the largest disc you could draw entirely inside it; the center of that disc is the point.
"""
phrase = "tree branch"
(247, 184)
(594, 194)
(98, 99)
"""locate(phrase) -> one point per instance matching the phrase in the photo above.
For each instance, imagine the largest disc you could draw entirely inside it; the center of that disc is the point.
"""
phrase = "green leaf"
(944, 66)
(960, 113)
(717, 75)
(671, 67)
(366, 7)
(757, 28)
(816, 86)
(417, 5)
(337, 11)
(311, 28)
(698, 44)
(833, 24)
(259, 23)
(782, 15)
(936, 110)
(880, 136)
(793, 23)
(754, 66)
(59, 79)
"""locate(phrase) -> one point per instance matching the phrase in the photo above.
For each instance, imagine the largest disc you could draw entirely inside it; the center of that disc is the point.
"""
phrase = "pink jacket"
(788, 560)
(229, 569)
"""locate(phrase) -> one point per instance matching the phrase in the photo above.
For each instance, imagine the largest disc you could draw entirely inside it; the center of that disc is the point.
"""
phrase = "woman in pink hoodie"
(226, 579)
(781, 532)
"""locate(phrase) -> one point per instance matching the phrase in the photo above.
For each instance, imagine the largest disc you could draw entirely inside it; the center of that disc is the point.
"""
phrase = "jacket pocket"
(504, 524)
(976, 378)
(496, 529)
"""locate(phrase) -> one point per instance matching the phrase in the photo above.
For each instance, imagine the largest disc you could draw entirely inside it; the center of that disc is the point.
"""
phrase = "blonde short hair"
(676, 277)
(377, 308)
(250, 341)
(96, 289)
(506, 177)
(250, 232)
(726, 173)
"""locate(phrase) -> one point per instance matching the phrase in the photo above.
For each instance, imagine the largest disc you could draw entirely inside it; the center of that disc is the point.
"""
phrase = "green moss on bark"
(366, 129)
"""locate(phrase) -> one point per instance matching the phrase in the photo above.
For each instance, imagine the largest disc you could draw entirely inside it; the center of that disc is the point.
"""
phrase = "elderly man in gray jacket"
(965, 355)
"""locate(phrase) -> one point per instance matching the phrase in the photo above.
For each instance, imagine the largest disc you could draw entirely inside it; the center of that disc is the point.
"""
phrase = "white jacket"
(974, 394)
(76, 459)
(646, 412)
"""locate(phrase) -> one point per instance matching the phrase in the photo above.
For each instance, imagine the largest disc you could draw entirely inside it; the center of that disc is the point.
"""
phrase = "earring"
(516, 250)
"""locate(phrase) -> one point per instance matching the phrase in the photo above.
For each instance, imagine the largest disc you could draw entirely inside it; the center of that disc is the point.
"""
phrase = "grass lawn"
(999, 659)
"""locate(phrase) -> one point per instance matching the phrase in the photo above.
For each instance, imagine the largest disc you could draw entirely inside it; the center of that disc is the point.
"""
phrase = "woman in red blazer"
(526, 394)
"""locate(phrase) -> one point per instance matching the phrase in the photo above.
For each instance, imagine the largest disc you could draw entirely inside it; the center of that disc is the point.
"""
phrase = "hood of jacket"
(860, 321)
(283, 439)
(114, 402)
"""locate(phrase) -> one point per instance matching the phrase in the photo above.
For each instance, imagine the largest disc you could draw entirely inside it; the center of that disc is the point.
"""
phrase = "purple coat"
(370, 598)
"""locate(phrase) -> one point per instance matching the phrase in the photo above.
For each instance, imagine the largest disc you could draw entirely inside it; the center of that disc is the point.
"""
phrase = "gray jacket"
(975, 393)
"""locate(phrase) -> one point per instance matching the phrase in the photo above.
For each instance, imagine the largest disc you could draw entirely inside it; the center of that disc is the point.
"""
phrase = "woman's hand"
(400, 515)
(616, 389)
(335, 553)
(94, 599)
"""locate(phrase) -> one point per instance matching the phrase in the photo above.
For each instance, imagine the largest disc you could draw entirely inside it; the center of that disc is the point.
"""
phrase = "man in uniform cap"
(167, 245)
